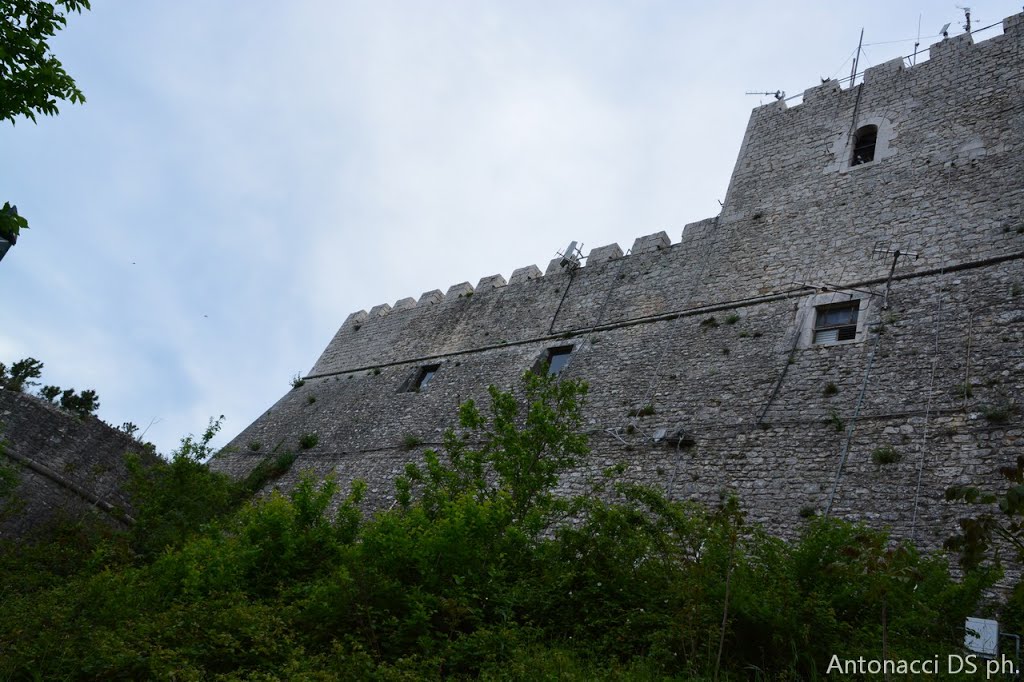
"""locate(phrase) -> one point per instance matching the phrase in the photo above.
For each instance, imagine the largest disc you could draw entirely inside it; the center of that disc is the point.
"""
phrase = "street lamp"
(8, 237)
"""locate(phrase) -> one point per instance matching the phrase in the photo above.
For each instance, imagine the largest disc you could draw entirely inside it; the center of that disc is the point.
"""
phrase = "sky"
(237, 182)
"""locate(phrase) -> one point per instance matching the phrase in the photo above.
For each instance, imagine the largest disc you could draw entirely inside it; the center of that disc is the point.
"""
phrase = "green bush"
(644, 411)
(885, 455)
(479, 571)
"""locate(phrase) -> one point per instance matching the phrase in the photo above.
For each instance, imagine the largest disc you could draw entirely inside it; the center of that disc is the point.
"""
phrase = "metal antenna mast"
(856, 59)
(896, 253)
(778, 94)
(967, 17)
(917, 43)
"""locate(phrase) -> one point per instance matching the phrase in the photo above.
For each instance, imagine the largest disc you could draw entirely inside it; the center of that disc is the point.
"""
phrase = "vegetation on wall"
(479, 571)
(22, 375)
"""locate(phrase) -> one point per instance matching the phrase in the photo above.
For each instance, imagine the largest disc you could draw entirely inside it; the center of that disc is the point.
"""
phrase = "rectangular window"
(836, 322)
(558, 358)
(423, 377)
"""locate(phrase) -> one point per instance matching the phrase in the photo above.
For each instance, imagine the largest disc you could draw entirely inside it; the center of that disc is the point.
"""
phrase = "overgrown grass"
(885, 455)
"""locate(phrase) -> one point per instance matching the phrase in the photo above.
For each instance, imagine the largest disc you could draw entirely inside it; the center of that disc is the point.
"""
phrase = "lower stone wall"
(777, 423)
(67, 466)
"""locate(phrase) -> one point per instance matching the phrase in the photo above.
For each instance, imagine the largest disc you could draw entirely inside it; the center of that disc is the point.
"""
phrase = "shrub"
(83, 404)
(20, 375)
(709, 323)
(476, 573)
(644, 411)
(885, 455)
(733, 318)
(997, 414)
(830, 389)
(298, 381)
(308, 441)
(50, 393)
(411, 441)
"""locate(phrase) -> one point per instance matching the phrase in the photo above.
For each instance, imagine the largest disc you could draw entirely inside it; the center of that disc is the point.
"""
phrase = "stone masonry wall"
(799, 228)
(67, 467)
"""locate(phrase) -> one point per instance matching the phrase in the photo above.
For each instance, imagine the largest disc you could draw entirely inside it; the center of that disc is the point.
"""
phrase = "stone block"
(430, 297)
(458, 290)
(602, 254)
(1014, 25)
(950, 46)
(883, 71)
(358, 317)
(819, 92)
(405, 303)
(651, 242)
(492, 282)
(525, 274)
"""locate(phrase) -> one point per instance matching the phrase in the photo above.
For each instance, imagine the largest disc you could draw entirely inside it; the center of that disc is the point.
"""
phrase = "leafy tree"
(11, 224)
(480, 571)
(32, 79)
(50, 393)
(177, 498)
(979, 534)
(20, 374)
(129, 428)
(83, 404)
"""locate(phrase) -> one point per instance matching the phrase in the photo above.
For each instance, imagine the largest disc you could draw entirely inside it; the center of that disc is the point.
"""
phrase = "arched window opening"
(864, 145)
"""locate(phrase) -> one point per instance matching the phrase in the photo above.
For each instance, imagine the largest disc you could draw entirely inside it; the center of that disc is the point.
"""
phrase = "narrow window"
(422, 378)
(836, 322)
(557, 359)
(864, 145)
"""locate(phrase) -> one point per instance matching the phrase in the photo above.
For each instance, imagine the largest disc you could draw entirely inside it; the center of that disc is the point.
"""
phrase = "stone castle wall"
(799, 228)
(67, 467)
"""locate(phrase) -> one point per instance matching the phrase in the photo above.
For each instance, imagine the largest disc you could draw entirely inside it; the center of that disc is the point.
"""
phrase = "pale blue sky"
(240, 180)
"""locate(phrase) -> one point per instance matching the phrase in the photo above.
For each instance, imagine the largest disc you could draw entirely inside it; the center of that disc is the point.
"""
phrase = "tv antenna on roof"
(778, 94)
(917, 43)
(571, 256)
(967, 17)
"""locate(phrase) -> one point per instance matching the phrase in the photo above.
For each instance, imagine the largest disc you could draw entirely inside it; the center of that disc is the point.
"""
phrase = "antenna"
(856, 60)
(967, 17)
(945, 30)
(881, 251)
(778, 94)
(884, 252)
(917, 43)
(571, 256)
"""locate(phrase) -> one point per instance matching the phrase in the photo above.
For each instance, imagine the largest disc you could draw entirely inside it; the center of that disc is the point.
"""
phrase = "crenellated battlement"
(651, 243)
(718, 333)
(945, 55)
(785, 160)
